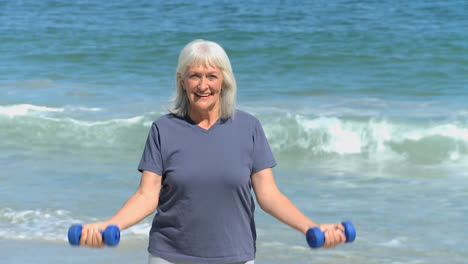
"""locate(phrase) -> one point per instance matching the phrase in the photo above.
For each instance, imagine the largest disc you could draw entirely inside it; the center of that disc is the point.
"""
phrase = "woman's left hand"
(334, 235)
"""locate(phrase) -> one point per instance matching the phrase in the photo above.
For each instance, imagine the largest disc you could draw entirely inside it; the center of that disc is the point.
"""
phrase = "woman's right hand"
(333, 234)
(143, 203)
(91, 235)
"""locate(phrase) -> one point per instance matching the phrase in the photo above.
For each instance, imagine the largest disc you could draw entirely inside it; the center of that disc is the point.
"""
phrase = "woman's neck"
(204, 119)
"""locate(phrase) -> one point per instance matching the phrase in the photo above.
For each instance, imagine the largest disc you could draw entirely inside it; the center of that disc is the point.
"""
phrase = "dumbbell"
(315, 237)
(110, 236)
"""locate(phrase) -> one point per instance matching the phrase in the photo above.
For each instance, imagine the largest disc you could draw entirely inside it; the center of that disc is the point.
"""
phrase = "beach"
(364, 105)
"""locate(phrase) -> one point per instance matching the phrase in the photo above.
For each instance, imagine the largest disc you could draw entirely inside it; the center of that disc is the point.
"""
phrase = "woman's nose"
(203, 83)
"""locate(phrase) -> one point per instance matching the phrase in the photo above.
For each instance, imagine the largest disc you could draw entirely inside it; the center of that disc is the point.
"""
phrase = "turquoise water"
(364, 104)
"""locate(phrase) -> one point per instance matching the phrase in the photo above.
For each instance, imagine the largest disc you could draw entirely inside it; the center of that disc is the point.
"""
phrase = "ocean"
(364, 104)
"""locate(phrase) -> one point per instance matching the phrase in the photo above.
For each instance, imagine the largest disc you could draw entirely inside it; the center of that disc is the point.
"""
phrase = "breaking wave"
(298, 136)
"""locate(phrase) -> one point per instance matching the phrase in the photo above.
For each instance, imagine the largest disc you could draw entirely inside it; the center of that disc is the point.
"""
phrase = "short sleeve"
(151, 159)
(262, 156)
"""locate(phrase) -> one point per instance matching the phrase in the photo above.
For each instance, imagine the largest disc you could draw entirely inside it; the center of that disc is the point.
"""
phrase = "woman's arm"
(272, 201)
(141, 204)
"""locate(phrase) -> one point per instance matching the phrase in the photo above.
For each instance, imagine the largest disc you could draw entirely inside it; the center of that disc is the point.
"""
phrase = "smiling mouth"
(202, 95)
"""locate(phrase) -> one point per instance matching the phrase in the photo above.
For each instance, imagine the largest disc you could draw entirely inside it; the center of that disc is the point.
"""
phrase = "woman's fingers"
(329, 240)
(91, 236)
(84, 236)
(340, 227)
(97, 239)
(94, 239)
(334, 235)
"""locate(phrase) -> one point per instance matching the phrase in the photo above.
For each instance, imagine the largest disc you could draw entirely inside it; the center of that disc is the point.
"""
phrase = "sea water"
(364, 103)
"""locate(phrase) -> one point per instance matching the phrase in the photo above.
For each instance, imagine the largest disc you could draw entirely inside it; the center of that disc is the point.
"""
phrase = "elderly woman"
(198, 167)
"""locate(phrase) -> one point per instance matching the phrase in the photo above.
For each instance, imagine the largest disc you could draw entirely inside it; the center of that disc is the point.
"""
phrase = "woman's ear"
(181, 80)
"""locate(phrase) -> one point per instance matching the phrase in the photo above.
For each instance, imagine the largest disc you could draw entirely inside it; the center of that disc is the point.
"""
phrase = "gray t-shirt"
(206, 209)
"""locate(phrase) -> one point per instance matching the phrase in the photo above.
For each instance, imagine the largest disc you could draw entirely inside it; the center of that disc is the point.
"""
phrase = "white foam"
(140, 230)
(377, 138)
(26, 109)
(39, 110)
(43, 112)
(273, 244)
(46, 224)
(450, 130)
(50, 224)
(84, 109)
(121, 121)
(445, 130)
(342, 138)
(147, 123)
(395, 242)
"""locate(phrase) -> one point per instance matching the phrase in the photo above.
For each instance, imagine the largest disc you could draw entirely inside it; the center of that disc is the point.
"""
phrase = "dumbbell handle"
(110, 236)
(315, 237)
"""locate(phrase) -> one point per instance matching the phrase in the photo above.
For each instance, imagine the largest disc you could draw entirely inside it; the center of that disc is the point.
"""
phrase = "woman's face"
(203, 85)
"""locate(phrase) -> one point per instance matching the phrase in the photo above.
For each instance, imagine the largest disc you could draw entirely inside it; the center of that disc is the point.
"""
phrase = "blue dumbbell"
(315, 237)
(111, 236)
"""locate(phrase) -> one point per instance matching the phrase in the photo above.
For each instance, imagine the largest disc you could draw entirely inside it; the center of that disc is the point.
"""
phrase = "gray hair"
(205, 53)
